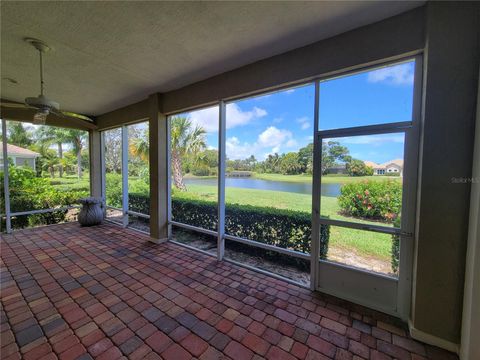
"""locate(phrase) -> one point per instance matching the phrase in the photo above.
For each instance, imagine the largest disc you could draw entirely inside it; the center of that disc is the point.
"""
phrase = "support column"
(221, 181)
(159, 171)
(96, 156)
(6, 177)
(125, 176)
(450, 93)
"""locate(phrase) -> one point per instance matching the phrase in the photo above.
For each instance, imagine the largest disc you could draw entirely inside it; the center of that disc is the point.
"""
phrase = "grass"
(326, 179)
(368, 244)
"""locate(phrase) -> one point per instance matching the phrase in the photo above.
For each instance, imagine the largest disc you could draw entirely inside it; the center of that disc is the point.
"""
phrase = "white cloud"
(290, 91)
(237, 117)
(304, 122)
(274, 137)
(397, 75)
(291, 143)
(208, 118)
(373, 139)
(271, 140)
(237, 150)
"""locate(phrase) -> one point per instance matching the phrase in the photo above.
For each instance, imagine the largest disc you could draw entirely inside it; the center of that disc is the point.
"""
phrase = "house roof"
(19, 151)
(398, 162)
(372, 164)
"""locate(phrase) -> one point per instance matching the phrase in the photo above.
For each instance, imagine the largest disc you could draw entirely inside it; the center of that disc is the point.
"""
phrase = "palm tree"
(54, 135)
(77, 138)
(140, 146)
(49, 160)
(185, 140)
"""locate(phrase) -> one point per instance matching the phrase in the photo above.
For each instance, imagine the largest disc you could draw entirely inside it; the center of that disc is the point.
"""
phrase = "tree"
(18, 135)
(50, 161)
(54, 135)
(305, 158)
(113, 150)
(272, 163)
(332, 151)
(77, 138)
(140, 148)
(185, 140)
(289, 164)
(358, 168)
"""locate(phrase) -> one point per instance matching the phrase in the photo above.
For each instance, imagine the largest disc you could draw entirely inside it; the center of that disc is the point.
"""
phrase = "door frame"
(330, 277)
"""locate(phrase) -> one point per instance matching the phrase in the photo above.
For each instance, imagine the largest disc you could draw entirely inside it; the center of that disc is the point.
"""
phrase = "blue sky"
(283, 121)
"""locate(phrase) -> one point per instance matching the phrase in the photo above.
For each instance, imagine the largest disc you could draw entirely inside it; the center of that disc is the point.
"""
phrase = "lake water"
(332, 190)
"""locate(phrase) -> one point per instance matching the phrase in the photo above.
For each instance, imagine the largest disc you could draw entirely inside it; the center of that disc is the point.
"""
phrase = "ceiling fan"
(43, 105)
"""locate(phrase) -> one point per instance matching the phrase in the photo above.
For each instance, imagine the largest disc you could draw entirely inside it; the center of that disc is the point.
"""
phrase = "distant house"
(389, 167)
(20, 156)
(337, 169)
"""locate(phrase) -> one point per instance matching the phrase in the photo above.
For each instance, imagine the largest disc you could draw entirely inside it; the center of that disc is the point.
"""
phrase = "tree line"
(42, 139)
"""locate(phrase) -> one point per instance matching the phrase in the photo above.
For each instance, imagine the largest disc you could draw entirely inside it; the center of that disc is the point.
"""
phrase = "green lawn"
(361, 242)
(326, 179)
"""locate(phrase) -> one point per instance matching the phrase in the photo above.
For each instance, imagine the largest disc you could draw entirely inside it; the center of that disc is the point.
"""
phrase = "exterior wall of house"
(23, 161)
(392, 168)
(449, 103)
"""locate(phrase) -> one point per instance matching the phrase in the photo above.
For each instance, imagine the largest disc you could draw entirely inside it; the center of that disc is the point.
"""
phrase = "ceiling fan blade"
(76, 119)
(75, 115)
(15, 105)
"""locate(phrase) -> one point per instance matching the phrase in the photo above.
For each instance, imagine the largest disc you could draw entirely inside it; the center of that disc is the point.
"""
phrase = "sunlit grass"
(328, 179)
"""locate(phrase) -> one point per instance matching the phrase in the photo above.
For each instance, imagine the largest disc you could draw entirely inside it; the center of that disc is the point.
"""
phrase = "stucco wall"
(21, 161)
(450, 88)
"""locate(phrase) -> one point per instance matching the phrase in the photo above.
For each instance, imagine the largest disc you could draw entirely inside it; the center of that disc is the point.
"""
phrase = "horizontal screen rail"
(366, 130)
(43, 211)
(113, 208)
(360, 226)
(145, 216)
(392, 278)
(193, 228)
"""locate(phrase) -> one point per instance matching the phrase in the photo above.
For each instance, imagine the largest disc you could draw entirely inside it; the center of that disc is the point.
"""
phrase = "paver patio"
(106, 292)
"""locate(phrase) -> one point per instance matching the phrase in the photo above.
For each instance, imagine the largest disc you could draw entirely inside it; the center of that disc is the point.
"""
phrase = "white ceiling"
(110, 54)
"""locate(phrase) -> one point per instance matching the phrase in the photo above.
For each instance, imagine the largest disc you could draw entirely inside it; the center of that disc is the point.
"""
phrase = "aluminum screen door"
(369, 257)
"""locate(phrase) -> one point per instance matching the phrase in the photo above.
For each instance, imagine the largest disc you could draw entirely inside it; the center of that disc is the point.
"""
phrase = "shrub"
(201, 170)
(113, 188)
(28, 192)
(396, 246)
(372, 199)
(358, 168)
(282, 228)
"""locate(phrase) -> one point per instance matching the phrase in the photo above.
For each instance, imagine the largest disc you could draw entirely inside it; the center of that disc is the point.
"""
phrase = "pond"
(332, 190)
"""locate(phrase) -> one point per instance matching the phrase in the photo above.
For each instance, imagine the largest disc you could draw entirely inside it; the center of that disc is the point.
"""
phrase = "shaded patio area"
(106, 292)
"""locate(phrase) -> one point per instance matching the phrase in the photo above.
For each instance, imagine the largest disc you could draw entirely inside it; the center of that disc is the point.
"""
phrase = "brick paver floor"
(105, 292)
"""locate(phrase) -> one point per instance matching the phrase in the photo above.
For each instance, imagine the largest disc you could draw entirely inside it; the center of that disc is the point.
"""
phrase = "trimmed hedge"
(282, 228)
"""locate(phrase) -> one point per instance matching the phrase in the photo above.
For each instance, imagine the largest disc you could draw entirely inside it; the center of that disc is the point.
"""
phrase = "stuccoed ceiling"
(110, 54)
